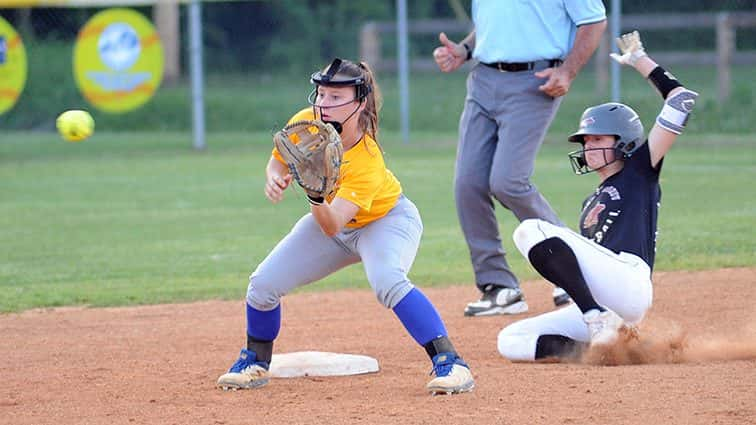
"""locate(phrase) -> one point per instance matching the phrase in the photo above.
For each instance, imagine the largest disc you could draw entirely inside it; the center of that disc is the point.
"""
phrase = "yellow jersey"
(363, 180)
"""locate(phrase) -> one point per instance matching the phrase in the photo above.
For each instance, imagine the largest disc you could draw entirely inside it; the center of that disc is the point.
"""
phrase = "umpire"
(528, 54)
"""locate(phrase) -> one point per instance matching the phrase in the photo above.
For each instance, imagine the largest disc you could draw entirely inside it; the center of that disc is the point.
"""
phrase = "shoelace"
(240, 365)
(443, 368)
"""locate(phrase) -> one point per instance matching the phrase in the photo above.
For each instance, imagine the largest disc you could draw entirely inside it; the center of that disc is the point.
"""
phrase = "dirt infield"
(158, 364)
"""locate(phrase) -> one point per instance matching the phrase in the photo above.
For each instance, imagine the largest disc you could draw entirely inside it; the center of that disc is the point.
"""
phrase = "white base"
(318, 363)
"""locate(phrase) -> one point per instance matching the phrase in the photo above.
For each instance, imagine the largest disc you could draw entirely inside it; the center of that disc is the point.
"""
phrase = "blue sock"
(263, 325)
(419, 317)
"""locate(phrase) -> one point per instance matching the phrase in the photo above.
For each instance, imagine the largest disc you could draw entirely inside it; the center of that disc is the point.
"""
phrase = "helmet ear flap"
(619, 149)
(624, 150)
(630, 147)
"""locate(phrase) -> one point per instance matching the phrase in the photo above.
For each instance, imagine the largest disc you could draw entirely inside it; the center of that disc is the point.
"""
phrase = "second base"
(319, 363)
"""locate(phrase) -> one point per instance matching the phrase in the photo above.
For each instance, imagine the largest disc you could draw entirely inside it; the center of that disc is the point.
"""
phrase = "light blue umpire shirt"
(530, 30)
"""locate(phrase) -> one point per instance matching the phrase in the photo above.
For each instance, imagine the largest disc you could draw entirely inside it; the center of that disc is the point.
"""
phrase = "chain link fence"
(258, 56)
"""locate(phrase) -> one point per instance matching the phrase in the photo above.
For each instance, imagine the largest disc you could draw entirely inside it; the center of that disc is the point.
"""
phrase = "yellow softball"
(75, 125)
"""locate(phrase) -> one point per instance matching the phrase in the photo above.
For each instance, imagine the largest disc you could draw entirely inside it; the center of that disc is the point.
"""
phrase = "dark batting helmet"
(614, 119)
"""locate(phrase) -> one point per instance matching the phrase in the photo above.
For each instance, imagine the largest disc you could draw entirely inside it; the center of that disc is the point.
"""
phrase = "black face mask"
(580, 165)
(331, 79)
(339, 126)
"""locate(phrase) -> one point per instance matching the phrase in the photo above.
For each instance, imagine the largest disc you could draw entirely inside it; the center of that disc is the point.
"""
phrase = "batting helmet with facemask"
(336, 75)
(614, 119)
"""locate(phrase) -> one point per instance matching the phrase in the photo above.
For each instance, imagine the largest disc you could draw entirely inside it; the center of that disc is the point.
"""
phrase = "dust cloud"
(664, 341)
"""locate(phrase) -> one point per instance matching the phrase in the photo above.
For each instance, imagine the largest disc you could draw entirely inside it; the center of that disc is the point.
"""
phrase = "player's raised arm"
(678, 101)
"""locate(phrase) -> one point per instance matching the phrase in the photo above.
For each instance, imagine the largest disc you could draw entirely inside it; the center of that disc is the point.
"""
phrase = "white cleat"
(603, 326)
(245, 373)
(252, 376)
(452, 375)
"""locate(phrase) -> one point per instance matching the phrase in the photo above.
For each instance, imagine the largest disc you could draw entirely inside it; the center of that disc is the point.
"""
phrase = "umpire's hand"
(558, 83)
(450, 55)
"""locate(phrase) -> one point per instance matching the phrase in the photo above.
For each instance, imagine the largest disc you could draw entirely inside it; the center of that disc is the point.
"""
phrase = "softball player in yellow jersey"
(367, 220)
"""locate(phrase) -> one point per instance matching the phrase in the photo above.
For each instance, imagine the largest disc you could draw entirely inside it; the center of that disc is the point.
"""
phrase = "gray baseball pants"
(501, 129)
(387, 248)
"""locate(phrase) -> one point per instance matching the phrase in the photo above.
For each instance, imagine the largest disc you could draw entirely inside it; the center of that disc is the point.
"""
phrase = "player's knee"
(633, 313)
(515, 345)
(390, 287)
(262, 293)
(390, 297)
(509, 192)
(528, 234)
(465, 186)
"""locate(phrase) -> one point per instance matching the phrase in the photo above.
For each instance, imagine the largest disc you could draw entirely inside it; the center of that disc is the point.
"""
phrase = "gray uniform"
(387, 248)
(501, 130)
(506, 117)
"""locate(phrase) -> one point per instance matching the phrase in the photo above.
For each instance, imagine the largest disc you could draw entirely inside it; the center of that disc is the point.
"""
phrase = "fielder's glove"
(631, 47)
(313, 151)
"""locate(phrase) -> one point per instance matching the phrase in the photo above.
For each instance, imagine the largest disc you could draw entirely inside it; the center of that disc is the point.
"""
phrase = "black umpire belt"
(523, 66)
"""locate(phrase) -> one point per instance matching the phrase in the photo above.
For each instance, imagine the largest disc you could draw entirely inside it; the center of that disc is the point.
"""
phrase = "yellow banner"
(118, 60)
(12, 66)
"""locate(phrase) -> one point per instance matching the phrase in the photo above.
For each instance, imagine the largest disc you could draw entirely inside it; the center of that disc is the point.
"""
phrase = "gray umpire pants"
(501, 129)
(387, 248)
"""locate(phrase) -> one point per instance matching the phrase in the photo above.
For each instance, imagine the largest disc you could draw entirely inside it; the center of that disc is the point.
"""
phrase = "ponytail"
(367, 92)
(368, 121)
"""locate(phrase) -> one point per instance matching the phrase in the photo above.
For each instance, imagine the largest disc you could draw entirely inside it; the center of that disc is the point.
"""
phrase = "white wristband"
(671, 119)
(674, 114)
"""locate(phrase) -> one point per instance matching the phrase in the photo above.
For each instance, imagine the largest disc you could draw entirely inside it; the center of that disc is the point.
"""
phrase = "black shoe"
(560, 297)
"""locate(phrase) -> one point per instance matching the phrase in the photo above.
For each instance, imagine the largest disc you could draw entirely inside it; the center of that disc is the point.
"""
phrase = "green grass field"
(127, 218)
(260, 102)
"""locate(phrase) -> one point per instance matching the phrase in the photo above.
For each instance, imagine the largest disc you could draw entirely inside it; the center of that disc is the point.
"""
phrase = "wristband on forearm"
(677, 108)
(663, 81)
(315, 201)
(468, 50)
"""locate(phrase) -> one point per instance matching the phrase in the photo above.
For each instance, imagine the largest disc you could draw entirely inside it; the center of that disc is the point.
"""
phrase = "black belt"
(522, 66)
